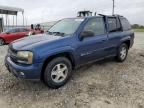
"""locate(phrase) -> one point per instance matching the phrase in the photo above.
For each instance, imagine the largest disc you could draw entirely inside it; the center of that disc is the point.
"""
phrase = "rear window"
(125, 24)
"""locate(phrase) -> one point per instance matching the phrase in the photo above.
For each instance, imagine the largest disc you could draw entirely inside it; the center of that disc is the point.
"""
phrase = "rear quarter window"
(125, 24)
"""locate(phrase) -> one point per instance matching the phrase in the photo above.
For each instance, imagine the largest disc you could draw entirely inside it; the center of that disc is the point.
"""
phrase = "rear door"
(127, 30)
(114, 34)
(94, 47)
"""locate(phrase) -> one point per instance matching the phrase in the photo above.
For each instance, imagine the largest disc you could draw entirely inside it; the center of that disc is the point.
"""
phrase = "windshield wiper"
(59, 33)
(56, 33)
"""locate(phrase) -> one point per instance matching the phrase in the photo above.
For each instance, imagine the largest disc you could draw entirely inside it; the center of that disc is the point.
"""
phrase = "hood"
(32, 41)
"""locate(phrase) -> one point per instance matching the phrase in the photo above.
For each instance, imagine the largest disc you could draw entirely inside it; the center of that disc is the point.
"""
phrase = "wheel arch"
(68, 55)
(127, 42)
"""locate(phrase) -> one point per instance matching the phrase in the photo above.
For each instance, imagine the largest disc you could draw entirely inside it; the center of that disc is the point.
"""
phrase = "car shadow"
(97, 63)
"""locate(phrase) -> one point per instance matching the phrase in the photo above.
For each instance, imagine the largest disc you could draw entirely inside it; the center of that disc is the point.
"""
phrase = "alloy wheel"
(123, 53)
(59, 73)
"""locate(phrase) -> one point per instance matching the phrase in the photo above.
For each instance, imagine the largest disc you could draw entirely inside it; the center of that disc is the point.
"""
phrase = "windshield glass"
(66, 26)
(9, 31)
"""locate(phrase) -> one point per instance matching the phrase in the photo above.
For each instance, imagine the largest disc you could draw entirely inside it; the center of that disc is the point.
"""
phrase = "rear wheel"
(2, 42)
(122, 52)
(57, 72)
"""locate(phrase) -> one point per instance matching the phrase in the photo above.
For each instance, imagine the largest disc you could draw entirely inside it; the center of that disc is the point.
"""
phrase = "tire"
(57, 72)
(2, 42)
(122, 52)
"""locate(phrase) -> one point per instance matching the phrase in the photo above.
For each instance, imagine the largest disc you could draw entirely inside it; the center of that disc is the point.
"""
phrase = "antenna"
(113, 7)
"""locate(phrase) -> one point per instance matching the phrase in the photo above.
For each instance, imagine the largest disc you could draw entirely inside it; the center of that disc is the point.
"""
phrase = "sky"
(38, 11)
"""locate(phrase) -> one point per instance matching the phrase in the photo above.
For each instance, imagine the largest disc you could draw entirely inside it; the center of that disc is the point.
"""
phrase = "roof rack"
(102, 15)
(117, 15)
(110, 15)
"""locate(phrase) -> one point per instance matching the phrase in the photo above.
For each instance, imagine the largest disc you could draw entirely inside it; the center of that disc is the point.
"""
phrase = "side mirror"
(85, 34)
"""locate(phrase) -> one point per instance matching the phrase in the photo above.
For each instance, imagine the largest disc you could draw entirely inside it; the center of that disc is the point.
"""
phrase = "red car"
(16, 33)
(13, 34)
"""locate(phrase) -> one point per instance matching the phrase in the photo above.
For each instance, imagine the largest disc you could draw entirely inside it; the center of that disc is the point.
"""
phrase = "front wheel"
(57, 72)
(1, 42)
(122, 52)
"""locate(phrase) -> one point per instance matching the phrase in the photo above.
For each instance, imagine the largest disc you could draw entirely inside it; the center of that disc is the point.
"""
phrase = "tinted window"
(114, 24)
(125, 24)
(95, 25)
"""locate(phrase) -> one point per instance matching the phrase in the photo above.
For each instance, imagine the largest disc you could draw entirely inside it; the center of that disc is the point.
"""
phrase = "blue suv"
(70, 43)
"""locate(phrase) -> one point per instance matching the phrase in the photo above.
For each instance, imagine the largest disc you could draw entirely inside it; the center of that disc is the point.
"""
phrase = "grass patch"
(138, 30)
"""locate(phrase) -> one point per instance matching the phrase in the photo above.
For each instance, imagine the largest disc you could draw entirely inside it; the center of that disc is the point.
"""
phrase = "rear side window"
(125, 24)
(95, 25)
(114, 24)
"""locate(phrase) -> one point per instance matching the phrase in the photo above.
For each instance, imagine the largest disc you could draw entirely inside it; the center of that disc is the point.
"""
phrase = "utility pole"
(113, 7)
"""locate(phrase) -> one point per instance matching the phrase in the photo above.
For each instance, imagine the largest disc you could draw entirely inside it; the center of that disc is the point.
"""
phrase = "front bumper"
(32, 72)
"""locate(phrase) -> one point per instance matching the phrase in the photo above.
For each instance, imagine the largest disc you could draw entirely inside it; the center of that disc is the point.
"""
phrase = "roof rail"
(117, 15)
(102, 15)
(110, 15)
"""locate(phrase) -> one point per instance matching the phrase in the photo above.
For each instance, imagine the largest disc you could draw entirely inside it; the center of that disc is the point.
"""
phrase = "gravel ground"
(106, 84)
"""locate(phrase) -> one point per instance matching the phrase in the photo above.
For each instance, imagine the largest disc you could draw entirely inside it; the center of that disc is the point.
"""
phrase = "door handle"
(103, 40)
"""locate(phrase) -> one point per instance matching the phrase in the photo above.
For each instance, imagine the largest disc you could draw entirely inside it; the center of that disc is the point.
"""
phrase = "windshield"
(9, 31)
(66, 26)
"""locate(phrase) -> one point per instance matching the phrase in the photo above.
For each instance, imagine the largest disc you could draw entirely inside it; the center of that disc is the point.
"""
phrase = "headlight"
(25, 57)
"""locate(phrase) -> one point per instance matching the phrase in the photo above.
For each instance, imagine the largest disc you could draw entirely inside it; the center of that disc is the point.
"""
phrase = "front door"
(94, 47)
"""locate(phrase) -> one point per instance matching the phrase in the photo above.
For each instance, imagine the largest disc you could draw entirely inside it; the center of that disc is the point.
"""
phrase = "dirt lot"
(106, 84)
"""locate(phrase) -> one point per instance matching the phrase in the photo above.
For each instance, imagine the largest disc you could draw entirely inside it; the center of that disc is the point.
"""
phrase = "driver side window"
(95, 25)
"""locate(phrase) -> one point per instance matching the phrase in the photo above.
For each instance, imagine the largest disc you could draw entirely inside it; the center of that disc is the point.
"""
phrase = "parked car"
(13, 34)
(70, 43)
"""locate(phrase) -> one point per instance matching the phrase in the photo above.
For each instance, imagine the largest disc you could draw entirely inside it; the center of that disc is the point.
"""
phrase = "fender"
(59, 50)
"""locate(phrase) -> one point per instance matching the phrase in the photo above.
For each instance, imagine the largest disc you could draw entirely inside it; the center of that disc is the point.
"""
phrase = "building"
(6, 11)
